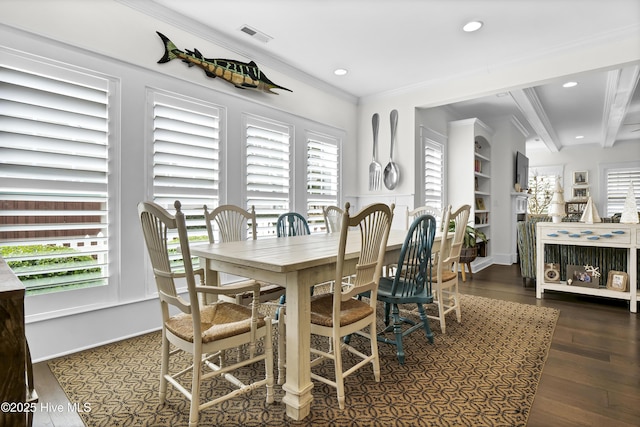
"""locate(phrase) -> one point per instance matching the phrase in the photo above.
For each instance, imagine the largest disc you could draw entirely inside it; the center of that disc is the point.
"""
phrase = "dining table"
(296, 263)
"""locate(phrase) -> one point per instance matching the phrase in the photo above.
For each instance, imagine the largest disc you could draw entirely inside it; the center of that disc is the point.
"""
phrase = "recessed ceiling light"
(570, 84)
(580, 137)
(472, 26)
(340, 72)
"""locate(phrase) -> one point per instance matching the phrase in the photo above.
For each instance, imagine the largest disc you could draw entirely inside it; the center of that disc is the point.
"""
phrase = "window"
(322, 177)
(433, 173)
(268, 171)
(54, 174)
(542, 183)
(186, 152)
(186, 160)
(433, 182)
(618, 180)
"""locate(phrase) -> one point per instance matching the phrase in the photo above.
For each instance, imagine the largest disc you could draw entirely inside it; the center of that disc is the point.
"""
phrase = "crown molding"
(518, 125)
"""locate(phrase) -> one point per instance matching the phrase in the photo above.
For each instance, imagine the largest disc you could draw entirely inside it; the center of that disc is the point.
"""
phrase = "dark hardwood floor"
(591, 377)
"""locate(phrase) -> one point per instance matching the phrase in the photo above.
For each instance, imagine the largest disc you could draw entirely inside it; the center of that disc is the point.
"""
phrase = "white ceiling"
(391, 45)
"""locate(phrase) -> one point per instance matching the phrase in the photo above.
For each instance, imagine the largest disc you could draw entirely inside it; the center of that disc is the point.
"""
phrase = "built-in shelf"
(469, 176)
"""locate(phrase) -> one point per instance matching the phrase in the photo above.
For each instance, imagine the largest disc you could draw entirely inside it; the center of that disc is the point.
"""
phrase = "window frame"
(554, 171)
(46, 305)
(316, 219)
(431, 137)
(274, 126)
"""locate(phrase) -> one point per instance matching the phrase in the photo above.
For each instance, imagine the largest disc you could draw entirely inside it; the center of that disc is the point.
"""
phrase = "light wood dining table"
(297, 263)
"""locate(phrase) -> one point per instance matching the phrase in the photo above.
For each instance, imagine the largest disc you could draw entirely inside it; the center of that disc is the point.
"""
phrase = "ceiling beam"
(621, 84)
(529, 104)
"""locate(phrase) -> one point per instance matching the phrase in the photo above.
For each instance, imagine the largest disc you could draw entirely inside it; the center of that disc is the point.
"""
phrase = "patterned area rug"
(483, 372)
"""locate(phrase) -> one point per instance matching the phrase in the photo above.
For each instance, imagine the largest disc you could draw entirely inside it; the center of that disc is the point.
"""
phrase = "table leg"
(298, 383)
(211, 278)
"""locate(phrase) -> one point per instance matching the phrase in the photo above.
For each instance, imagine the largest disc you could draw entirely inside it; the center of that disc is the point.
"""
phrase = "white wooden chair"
(231, 223)
(205, 331)
(332, 218)
(338, 314)
(423, 210)
(445, 282)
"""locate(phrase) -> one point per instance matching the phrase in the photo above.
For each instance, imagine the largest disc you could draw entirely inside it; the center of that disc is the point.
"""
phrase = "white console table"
(610, 235)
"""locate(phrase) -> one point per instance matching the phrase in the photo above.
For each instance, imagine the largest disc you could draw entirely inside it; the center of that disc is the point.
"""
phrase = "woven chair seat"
(446, 276)
(351, 310)
(220, 320)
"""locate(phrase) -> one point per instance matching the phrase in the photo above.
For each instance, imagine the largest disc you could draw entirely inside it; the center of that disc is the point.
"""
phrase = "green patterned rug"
(483, 372)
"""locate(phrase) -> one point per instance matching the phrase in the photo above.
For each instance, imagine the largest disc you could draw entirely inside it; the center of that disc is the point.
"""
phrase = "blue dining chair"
(292, 224)
(410, 285)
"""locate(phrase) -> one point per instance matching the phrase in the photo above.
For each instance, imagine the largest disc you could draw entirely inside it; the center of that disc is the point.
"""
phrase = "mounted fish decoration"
(240, 74)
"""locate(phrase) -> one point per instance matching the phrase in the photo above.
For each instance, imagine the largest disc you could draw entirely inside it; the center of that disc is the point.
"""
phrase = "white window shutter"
(268, 171)
(186, 152)
(433, 173)
(54, 164)
(322, 177)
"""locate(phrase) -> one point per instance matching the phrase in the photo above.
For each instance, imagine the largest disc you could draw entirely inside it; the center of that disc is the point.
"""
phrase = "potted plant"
(472, 235)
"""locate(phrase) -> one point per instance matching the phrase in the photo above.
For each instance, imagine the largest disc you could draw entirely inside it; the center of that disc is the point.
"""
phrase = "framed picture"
(617, 281)
(578, 276)
(580, 192)
(480, 204)
(580, 178)
(552, 272)
(575, 208)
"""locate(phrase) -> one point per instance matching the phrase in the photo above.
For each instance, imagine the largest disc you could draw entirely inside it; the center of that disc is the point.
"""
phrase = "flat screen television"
(522, 171)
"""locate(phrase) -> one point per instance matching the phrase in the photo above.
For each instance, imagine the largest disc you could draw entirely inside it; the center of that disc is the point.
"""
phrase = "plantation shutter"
(54, 160)
(322, 178)
(433, 173)
(186, 152)
(618, 181)
(267, 172)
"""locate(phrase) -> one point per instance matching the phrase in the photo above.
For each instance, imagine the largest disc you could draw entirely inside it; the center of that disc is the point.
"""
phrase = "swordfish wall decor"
(240, 74)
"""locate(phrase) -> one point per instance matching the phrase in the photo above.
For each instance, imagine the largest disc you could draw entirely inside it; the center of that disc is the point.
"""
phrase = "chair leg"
(195, 389)
(375, 362)
(282, 332)
(387, 308)
(337, 362)
(425, 323)
(397, 330)
(443, 324)
(268, 362)
(164, 368)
